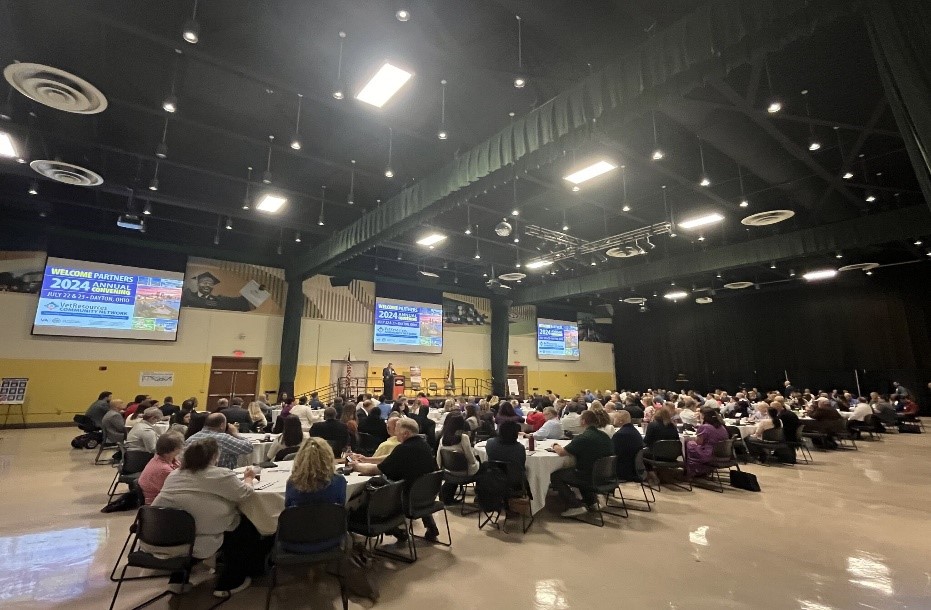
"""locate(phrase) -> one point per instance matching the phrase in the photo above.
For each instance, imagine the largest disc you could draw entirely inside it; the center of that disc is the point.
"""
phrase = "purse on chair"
(744, 480)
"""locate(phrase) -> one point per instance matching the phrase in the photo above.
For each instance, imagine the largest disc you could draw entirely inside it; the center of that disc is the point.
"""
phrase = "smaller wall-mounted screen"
(82, 299)
(557, 340)
(408, 326)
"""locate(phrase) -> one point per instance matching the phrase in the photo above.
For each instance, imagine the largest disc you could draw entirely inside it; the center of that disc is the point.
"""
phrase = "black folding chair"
(667, 456)
(723, 458)
(310, 524)
(640, 470)
(799, 445)
(420, 501)
(492, 489)
(159, 527)
(367, 444)
(774, 442)
(131, 466)
(105, 446)
(604, 482)
(740, 447)
(383, 513)
(284, 452)
(455, 470)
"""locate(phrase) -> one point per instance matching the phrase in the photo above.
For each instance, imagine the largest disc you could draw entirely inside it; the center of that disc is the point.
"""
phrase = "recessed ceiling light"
(403, 15)
(701, 221)
(538, 264)
(848, 175)
(386, 82)
(823, 274)
(6, 146)
(431, 240)
(676, 295)
(271, 203)
(592, 171)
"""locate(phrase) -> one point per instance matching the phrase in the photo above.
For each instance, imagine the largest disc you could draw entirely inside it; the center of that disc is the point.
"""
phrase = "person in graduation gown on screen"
(387, 376)
(204, 298)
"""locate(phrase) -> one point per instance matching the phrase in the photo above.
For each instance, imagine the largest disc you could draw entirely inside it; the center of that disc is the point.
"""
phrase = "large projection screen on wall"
(83, 299)
(408, 326)
(557, 340)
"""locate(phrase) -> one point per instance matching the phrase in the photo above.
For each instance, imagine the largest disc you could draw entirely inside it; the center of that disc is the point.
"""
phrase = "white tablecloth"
(259, 448)
(540, 465)
(267, 502)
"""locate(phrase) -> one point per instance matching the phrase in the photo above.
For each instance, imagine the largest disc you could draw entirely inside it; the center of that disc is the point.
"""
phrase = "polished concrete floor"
(849, 531)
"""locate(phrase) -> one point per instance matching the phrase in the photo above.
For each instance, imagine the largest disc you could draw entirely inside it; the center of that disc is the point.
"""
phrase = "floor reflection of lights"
(47, 566)
(870, 571)
(699, 536)
(550, 594)
(807, 604)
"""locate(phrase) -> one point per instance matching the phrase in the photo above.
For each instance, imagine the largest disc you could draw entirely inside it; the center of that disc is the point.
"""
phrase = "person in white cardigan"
(455, 439)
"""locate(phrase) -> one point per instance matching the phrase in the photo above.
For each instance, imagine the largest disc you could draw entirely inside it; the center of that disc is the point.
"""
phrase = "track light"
(191, 30)
(296, 140)
(389, 173)
(267, 174)
(338, 93)
(520, 79)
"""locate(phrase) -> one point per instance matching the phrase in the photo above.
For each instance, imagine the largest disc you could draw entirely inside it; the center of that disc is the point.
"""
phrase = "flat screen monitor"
(82, 299)
(408, 326)
(557, 340)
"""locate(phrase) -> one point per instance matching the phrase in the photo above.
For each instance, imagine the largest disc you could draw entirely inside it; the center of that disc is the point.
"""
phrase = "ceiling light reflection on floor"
(869, 571)
(550, 594)
(699, 536)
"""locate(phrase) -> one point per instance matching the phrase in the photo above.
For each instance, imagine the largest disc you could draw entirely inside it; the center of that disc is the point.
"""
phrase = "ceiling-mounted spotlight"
(918, 242)
(297, 237)
(839, 255)
(701, 238)
(442, 134)
(772, 265)
(296, 140)
(246, 200)
(320, 220)
(153, 184)
(191, 30)
(774, 107)
(389, 173)
(33, 188)
(147, 209)
(267, 174)
(403, 15)
(791, 272)
(520, 79)
(399, 257)
(170, 103)
(657, 151)
(338, 93)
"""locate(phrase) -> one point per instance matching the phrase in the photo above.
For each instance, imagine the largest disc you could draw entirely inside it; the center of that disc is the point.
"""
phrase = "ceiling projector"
(131, 221)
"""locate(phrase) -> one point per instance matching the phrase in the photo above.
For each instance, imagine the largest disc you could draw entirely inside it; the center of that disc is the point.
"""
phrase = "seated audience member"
(634, 408)
(143, 435)
(699, 451)
(257, 417)
(227, 437)
(883, 409)
(196, 424)
(471, 417)
(373, 424)
(385, 448)
(790, 421)
(827, 421)
(759, 413)
(412, 458)
(506, 413)
(287, 406)
(551, 428)
(313, 481)
(180, 427)
(505, 448)
(169, 408)
(754, 441)
(134, 405)
(660, 428)
(289, 441)
(384, 406)
(314, 402)
(427, 426)
(627, 442)
(535, 419)
(331, 429)
(187, 408)
(517, 408)
(236, 414)
(571, 421)
(603, 418)
(212, 495)
(348, 417)
(99, 408)
(112, 423)
(221, 405)
(586, 448)
(304, 413)
(136, 417)
(167, 449)
(454, 438)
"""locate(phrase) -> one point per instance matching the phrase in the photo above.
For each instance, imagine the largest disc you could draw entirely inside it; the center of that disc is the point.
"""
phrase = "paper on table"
(253, 293)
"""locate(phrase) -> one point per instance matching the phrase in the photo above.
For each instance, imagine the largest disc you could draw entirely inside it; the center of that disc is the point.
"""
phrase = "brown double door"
(519, 373)
(232, 377)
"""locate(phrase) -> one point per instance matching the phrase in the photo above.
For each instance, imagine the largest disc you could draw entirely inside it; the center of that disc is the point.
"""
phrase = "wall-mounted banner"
(21, 271)
(155, 378)
(213, 284)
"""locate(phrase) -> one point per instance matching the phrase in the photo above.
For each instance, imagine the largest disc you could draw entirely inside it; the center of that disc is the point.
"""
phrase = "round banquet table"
(540, 465)
(264, 506)
(259, 448)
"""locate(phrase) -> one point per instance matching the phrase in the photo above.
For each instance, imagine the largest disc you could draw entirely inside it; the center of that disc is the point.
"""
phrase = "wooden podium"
(398, 388)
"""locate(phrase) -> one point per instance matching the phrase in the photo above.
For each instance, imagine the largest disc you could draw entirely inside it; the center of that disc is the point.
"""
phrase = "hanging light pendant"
(565, 223)
(296, 140)
(191, 30)
(338, 92)
(468, 229)
(389, 173)
(161, 151)
(246, 200)
(704, 180)
(153, 184)
(813, 143)
(351, 198)
(170, 103)
(442, 134)
(320, 220)
(520, 78)
(775, 104)
(626, 207)
(657, 151)
(267, 174)
(743, 197)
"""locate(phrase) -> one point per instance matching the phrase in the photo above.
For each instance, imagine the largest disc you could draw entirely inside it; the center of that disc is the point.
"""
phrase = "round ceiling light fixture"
(635, 300)
(403, 15)
(859, 267)
(66, 173)
(512, 277)
(622, 252)
(704, 300)
(738, 285)
(503, 228)
(762, 219)
(55, 88)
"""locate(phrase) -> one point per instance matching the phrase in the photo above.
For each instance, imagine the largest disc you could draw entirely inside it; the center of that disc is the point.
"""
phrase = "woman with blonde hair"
(257, 417)
(602, 418)
(313, 481)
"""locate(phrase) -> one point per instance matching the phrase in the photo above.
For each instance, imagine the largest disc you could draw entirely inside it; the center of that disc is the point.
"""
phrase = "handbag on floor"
(354, 569)
(744, 480)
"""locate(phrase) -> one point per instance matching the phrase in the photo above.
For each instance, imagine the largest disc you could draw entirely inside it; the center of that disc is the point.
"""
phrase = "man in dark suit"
(427, 425)
(627, 442)
(387, 377)
(331, 429)
(235, 414)
(372, 423)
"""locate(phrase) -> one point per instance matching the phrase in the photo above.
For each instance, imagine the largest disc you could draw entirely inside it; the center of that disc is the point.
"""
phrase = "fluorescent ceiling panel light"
(823, 274)
(6, 146)
(538, 264)
(386, 82)
(271, 203)
(675, 296)
(431, 240)
(701, 221)
(592, 171)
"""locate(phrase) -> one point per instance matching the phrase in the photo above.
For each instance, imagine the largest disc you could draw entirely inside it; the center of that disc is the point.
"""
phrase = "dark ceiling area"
(257, 63)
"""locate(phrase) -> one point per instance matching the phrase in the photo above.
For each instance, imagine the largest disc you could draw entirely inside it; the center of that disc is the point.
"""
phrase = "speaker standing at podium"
(387, 376)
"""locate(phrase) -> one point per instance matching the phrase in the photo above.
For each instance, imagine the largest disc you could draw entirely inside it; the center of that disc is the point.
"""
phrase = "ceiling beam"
(873, 230)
